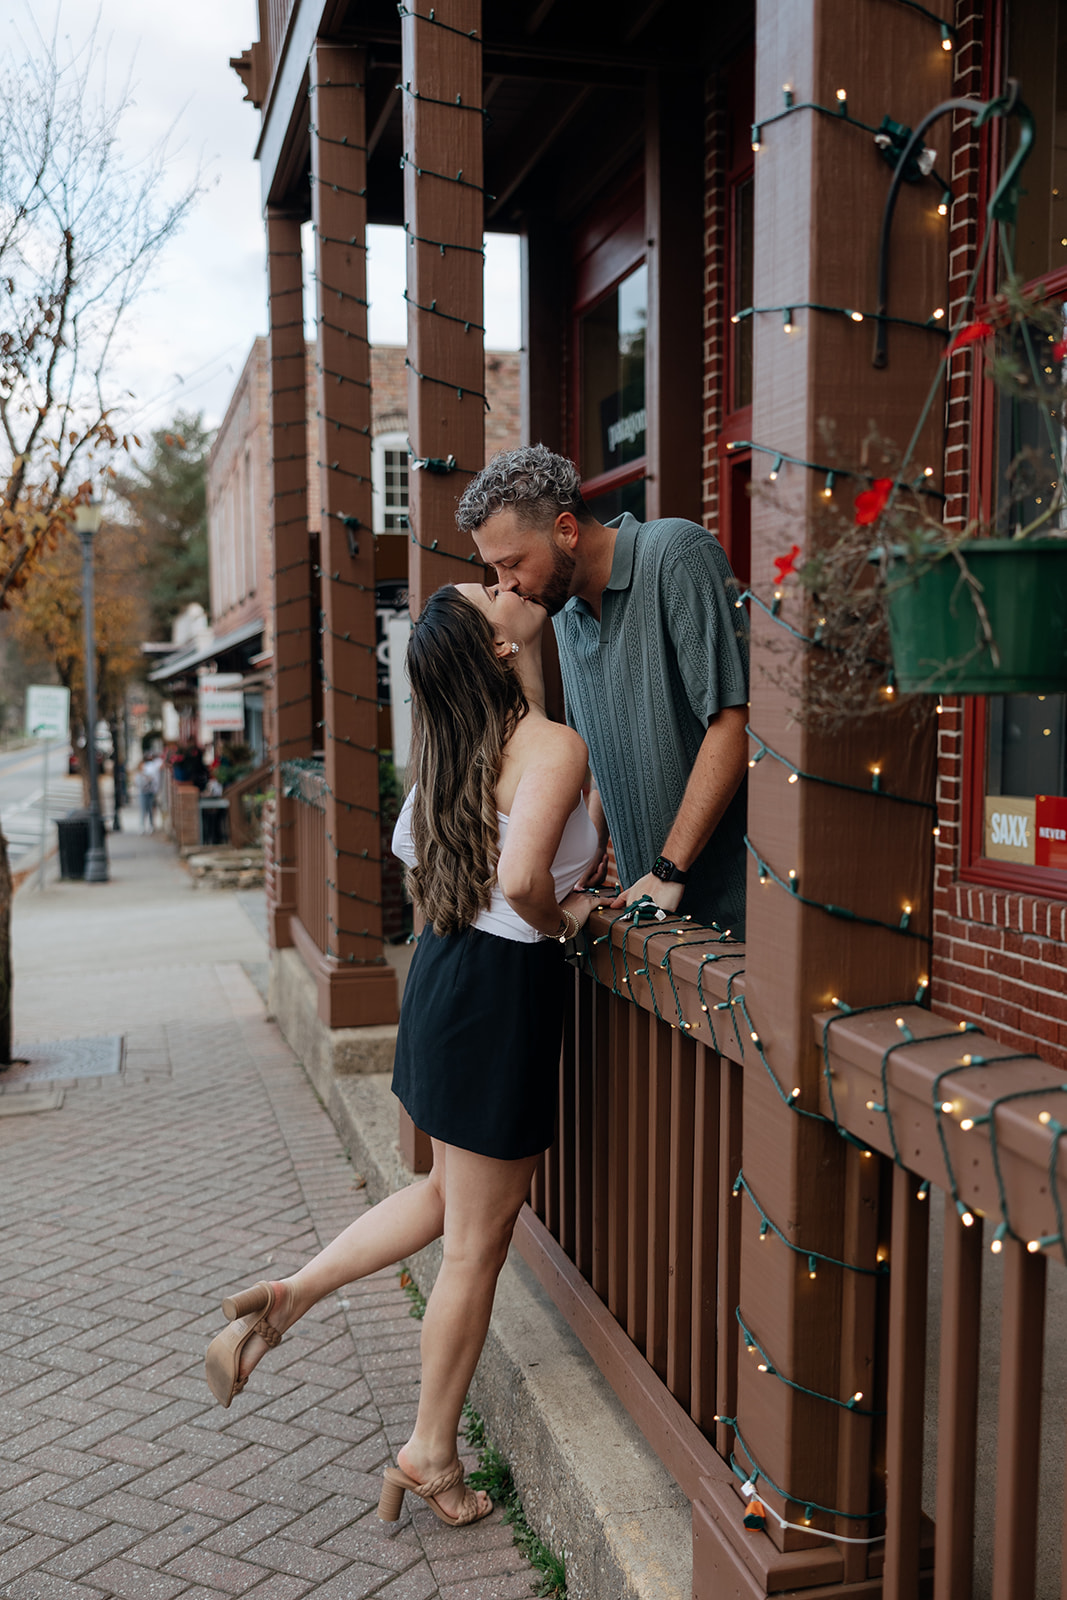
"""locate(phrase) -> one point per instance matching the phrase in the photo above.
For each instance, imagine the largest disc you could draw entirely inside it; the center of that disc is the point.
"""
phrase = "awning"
(177, 665)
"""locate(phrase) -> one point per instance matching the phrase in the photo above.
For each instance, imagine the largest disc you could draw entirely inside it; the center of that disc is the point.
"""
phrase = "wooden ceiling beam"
(546, 121)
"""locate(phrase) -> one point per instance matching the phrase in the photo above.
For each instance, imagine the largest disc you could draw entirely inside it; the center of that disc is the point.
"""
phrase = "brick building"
(735, 1217)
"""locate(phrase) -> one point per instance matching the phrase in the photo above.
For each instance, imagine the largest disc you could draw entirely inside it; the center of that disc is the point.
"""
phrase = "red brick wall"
(714, 291)
(999, 959)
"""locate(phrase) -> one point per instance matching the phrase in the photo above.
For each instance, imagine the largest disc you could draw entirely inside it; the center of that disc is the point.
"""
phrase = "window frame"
(392, 439)
(739, 169)
(608, 247)
(973, 866)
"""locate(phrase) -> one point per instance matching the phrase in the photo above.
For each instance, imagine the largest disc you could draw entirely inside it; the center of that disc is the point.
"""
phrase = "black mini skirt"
(477, 1050)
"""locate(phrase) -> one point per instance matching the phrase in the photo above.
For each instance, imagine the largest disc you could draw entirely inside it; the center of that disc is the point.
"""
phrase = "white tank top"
(576, 849)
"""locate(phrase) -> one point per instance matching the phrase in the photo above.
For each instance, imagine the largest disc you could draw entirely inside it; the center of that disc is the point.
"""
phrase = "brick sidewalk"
(127, 1214)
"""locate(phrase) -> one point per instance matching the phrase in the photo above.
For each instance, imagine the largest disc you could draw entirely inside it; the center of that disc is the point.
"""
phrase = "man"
(654, 656)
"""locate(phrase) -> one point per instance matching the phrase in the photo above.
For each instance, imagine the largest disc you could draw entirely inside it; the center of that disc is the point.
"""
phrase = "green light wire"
(790, 1383)
(828, 906)
(879, 1271)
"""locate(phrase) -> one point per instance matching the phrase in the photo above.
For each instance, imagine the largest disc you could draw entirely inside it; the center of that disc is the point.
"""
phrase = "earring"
(514, 648)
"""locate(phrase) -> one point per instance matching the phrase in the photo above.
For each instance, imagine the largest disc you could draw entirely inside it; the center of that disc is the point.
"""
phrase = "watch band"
(667, 872)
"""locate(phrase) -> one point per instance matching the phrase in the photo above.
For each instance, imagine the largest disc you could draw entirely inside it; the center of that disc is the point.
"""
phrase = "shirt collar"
(622, 560)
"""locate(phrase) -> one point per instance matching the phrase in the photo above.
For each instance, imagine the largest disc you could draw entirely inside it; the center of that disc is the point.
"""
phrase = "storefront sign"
(1009, 828)
(1050, 826)
(390, 605)
(222, 704)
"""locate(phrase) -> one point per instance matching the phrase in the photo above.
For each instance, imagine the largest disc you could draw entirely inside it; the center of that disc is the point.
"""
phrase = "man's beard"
(557, 590)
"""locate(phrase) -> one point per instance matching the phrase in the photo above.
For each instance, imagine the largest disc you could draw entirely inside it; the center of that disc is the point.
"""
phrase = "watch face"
(662, 868)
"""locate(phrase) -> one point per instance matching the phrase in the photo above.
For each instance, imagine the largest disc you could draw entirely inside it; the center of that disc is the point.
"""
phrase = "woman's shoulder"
(553, 742)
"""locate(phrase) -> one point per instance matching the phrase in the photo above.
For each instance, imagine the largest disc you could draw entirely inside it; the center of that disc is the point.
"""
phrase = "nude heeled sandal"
(248, 1312)
(396, 1484)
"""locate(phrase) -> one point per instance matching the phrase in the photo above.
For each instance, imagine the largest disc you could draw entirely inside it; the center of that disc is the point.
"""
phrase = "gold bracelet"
(568, 926)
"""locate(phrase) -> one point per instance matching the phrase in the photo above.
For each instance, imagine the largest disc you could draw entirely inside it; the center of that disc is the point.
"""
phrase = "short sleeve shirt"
(669, 651)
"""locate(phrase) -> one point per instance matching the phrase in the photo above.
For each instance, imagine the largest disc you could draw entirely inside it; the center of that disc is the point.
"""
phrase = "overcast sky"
(187, 340)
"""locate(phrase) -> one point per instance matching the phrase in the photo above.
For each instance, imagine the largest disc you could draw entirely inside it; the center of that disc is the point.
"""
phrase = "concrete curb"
(590, 1484)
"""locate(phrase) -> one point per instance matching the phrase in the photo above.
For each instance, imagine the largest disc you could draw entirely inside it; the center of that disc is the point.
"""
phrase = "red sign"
(1050, 828)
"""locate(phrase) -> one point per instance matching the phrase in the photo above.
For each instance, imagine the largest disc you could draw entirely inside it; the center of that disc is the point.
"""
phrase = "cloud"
(187, 339)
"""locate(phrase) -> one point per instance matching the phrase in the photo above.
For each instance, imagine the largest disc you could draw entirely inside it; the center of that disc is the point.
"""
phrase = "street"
(22, 786)
(135, 1196)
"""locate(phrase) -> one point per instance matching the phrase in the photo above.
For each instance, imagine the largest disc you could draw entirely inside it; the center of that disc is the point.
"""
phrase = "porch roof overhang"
(178, 665)
(565, 96)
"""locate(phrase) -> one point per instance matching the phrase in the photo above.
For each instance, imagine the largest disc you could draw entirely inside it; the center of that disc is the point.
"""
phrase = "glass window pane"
(631, 498)
(1026, 781)
(1028, 438)
(613, 377)
(1037, 56)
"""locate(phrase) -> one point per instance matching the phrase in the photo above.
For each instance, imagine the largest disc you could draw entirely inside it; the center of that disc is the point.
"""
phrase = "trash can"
(73, 831)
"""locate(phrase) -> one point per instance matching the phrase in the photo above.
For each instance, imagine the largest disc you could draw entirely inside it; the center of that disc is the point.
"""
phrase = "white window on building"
(389, 480)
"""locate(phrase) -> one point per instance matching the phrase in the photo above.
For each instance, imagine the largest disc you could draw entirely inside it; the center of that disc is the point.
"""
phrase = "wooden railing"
(633, 1231)
(306, 784)
(241, 827)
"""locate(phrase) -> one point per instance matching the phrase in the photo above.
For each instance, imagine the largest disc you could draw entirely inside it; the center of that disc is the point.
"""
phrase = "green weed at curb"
(494, 1476)
(414, 1294)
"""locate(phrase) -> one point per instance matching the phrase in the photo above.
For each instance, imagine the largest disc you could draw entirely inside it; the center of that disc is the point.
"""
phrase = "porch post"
(355, 985)
(819, 195)
(293, 581)
(441, 78)
(441, 74)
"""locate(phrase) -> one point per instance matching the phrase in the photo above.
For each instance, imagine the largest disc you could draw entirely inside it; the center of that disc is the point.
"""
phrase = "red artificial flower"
(786, 564)
(1059, 350)
(870, 503)
(970, 333)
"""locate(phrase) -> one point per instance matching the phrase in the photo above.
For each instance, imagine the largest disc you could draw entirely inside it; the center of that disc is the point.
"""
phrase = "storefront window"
(613, 417)
(1037, 57)
(631, 498)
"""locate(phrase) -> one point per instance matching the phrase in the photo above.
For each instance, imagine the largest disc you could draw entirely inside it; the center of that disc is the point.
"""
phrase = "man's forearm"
(713, 782)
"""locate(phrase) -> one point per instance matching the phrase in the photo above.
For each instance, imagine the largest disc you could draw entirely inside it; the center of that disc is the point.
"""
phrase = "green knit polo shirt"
(669, 650)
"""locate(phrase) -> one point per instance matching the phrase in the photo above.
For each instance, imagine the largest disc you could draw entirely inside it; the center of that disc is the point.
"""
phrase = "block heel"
(391, 1499)
(395, 1484)
(248, 1302)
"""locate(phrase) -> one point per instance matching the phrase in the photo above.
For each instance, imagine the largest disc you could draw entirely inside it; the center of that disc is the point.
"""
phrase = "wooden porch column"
(444, 209)
(294, 584)
(820, 188)
(355, 985)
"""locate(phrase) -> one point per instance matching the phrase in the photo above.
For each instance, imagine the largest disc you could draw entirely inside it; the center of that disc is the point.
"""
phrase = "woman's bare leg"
(396, 1228)
(483, 1197)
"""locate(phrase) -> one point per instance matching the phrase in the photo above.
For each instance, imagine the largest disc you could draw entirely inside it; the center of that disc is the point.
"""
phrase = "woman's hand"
(579, 904)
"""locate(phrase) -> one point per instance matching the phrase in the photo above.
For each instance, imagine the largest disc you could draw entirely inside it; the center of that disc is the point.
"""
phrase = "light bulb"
(935, 316)
(947, 1107)
(794, 777)
(967, 1124)
(857, 1397)
(857, 316)
(1044, 1117)
(1033, 1245)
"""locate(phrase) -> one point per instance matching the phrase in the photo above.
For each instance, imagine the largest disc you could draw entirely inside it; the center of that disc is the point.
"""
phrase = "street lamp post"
(87, 517)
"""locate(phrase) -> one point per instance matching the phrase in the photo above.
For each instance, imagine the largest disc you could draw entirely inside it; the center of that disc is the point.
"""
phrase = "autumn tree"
(47, 614)
(167, 500)
(81, 227)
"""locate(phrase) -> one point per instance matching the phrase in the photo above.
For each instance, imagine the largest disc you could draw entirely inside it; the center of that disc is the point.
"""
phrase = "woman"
(494, 833)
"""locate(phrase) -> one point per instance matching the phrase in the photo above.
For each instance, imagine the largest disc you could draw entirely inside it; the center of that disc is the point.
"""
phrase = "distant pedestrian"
(149, 775)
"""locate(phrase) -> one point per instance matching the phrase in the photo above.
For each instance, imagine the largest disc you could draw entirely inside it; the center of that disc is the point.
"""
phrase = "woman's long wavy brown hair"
(465, 705)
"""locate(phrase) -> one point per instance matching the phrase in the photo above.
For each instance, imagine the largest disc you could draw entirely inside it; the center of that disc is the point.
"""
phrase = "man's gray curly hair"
(533, 479)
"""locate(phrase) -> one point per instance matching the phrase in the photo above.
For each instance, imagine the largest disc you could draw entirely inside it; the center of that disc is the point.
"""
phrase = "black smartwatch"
(667, 872)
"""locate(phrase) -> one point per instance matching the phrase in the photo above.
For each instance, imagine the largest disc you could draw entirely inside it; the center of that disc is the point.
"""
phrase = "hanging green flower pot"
(938, 641)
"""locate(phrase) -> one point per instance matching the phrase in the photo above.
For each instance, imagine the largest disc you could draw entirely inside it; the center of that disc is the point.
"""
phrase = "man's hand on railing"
(666, 895)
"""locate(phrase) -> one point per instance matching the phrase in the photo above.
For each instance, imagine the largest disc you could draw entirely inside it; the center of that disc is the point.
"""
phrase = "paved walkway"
(207, 1163)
